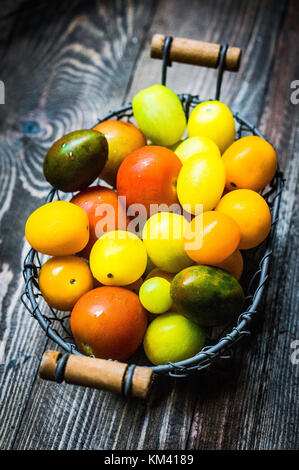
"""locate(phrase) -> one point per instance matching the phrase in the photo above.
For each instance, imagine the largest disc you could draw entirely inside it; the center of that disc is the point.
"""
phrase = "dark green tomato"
(75, 160)
(209, 296)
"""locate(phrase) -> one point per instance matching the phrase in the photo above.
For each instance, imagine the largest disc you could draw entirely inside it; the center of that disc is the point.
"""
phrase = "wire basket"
(220, 345)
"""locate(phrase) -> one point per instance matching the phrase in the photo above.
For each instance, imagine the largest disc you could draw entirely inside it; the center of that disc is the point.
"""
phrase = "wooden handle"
(97, 373)
(193, 52)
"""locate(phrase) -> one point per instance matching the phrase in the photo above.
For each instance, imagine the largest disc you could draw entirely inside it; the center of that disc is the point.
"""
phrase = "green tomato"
(154, 294)
(171, 337)
(160, 115)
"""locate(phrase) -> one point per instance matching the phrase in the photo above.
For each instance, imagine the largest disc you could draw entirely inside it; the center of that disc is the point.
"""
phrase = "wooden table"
(66, 63)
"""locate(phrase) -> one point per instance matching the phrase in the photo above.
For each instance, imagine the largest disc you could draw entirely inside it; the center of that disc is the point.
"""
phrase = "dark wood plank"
(45, 51)
(259, 410)
(251, 25)
(198, 412)
(8, 8)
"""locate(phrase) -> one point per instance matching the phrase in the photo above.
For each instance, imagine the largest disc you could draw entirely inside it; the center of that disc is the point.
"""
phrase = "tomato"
(196, 145)
(94, 200)
(149, 176)
(63, 280)
(154, 294)
(108, 322)
(75, 160)
(58, 228)
(213, 119)
(220, 237)
(156, 272)
(201, 181)
(118, 258)
(252, 214)
(171, 337)
(160, 114)
(163, 238)
(234, 264)
(250, 163)
(123, 138)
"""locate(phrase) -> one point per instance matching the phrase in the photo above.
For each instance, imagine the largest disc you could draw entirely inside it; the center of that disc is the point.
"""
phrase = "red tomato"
(109, 322)
(148, 176)
(91, 200)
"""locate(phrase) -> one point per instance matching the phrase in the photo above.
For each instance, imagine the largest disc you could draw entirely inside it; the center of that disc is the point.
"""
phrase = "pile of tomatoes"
(170, 203)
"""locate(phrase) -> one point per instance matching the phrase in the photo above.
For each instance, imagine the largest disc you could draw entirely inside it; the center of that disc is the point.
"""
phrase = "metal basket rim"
(209, 353)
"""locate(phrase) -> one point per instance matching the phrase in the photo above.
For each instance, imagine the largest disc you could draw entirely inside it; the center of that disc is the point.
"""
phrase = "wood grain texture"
(253, 26)
(194, 52)
(45, 52)
(264, 395)
(61, 75)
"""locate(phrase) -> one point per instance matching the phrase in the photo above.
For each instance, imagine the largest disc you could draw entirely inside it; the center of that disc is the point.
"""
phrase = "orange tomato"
(63, 280)
(93, 200)
(252, 214)
(220, 237)
(149, 176)
(250, 163)
(123, 138)
(234, 264)
(109, 322)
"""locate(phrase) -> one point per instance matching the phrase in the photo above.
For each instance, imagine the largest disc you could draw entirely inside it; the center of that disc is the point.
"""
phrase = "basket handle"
(189, 51)
(101, 374)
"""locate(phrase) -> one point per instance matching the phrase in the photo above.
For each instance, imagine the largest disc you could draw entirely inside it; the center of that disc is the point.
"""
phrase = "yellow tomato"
(118, 258)
(63, 280)
(201, 181)
(213, 119)
(163, 238)
(252, 214)
(58, 228)
(196, 145)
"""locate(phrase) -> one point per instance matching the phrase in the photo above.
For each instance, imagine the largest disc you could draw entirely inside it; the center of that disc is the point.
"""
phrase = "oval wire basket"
(55, 324)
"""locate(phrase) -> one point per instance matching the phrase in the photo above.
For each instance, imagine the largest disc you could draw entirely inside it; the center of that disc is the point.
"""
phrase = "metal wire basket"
(55, 324)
